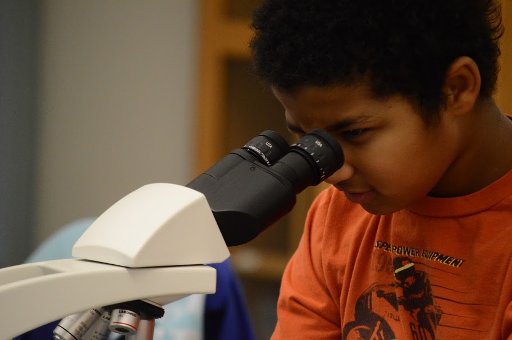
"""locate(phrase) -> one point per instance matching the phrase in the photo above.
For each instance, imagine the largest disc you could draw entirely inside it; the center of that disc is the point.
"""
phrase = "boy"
(413, 240)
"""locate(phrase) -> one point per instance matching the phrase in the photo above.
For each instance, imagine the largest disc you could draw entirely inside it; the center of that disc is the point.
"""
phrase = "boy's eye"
(354, 133)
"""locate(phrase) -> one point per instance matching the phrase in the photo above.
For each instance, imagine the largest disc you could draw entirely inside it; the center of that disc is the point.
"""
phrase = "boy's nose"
(342, 174)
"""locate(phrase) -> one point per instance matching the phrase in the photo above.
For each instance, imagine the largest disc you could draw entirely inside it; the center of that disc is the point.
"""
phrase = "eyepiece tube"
(247, 193)
(267, 147)
(312, 159)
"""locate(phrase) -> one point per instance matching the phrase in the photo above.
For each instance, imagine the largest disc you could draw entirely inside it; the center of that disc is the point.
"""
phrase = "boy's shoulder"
(495, 196)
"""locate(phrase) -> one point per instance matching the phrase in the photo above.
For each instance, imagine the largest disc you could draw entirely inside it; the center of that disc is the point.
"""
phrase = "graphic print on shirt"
(378, 307)
(399, 301)
(414, 294)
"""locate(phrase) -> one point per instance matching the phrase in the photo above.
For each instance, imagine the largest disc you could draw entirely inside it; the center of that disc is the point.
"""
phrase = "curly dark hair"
(399, 47)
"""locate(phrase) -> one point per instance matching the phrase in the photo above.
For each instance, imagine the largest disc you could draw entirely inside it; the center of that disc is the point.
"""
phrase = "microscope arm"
(38, 293)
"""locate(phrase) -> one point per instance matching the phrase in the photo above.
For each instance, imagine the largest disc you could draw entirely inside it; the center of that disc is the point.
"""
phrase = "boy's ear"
(461, 85)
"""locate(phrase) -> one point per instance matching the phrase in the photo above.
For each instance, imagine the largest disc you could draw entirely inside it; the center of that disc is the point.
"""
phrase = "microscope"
(153, 246)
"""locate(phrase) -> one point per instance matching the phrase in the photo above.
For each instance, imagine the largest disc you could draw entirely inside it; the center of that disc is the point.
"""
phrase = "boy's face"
(392, 158)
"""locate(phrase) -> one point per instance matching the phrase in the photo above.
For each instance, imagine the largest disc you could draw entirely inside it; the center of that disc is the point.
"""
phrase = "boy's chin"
(380, 209)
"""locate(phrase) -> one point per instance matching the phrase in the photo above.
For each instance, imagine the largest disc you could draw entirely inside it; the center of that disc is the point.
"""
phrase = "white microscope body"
(152, 244)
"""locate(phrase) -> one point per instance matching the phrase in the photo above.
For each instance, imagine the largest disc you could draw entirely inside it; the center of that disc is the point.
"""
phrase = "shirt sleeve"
(306, 309)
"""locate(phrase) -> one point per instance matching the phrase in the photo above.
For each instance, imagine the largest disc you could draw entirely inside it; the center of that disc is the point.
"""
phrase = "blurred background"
(100, 97)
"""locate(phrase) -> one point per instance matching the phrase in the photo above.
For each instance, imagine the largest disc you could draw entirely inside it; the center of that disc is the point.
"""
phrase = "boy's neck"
(486, 155)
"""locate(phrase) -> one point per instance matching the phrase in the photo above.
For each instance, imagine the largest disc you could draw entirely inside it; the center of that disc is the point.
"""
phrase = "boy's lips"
(359, 197)
(355, 195)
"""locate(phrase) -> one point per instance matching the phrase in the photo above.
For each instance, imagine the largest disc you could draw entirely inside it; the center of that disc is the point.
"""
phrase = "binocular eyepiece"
(254, 186)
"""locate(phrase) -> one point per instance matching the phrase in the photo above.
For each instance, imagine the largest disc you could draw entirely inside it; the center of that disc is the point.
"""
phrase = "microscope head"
(156, 225)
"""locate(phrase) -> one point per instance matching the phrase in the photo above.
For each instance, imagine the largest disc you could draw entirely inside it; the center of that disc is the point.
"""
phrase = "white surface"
(158, 224)
(35, 294)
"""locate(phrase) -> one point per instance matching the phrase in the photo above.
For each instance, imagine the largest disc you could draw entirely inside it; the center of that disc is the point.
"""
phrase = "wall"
(17, 115)
(116, 102)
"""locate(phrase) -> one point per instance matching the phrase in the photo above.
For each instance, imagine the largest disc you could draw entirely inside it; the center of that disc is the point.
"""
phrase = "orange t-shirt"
(441, 269)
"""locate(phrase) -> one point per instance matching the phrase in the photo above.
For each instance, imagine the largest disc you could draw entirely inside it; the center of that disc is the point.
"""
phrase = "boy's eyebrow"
(341, 125)
(348, 122)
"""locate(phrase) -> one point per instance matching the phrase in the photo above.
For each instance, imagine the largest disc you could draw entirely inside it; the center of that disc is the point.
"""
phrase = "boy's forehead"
(321, 94)
(324, 106)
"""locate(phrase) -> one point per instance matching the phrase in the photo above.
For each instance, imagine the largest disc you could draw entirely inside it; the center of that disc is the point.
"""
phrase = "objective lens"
(61, 331)
(76, 325)
(145, 331)
(124, 321)
(267, 147)
(99, 330)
